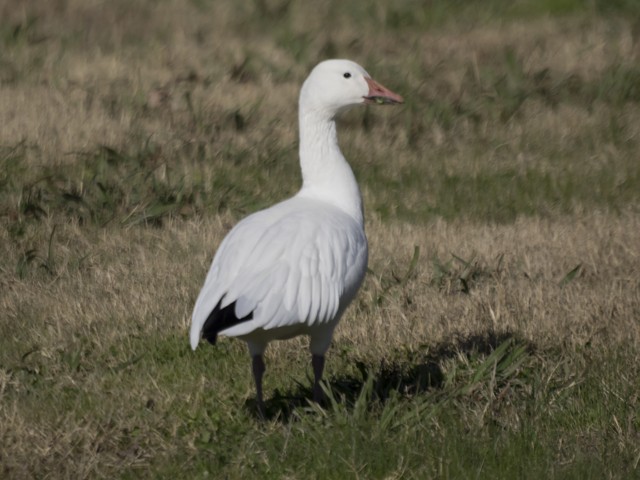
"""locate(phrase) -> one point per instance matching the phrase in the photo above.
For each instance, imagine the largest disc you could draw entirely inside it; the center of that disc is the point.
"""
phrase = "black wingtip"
(220, 319)
(210, 336)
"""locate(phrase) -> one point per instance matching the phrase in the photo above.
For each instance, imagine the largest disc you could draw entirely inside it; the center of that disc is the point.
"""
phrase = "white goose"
(293, 269)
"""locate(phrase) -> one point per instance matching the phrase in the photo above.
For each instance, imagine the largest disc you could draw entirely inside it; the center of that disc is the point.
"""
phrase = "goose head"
(335, 85)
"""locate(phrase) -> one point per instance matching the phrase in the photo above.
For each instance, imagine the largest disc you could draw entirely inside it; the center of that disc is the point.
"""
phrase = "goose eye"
(347, 75)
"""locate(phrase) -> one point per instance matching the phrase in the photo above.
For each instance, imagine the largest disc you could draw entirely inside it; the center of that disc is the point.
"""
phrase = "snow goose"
(293, 268)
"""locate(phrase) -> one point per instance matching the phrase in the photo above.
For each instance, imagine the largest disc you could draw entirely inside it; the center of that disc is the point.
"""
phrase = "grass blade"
(571, 275)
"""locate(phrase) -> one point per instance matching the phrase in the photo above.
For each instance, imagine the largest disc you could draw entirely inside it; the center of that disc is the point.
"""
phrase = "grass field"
(497, 334)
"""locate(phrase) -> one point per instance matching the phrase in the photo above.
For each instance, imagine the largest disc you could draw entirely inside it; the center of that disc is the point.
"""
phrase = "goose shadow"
(417, 371)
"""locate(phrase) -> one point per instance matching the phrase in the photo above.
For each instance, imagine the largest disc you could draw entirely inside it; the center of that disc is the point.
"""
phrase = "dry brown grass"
(141, 284)
(518, 287)
(81, 74)
(109, 285)
(92, 308)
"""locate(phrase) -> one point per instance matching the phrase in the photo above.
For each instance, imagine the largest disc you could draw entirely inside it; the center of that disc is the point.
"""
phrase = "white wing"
(297, 262)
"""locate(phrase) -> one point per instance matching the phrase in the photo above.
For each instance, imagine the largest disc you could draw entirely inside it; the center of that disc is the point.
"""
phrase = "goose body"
(292, 269)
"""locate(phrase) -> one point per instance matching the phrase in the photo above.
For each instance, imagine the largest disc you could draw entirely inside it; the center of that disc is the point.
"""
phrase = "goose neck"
(326, 175)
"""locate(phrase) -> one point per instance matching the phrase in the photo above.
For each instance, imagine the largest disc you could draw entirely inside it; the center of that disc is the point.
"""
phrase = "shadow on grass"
(418, 372)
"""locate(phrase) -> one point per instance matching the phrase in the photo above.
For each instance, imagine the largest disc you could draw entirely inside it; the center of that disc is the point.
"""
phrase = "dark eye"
(347, 75)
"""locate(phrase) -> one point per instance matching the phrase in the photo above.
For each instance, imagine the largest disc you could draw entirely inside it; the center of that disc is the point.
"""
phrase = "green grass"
(488, 406)
(503, 196)
(108, 182)
(496, 335)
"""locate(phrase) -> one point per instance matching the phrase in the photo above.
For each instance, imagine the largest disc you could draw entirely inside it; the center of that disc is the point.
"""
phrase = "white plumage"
(292, 269)
(293, 264)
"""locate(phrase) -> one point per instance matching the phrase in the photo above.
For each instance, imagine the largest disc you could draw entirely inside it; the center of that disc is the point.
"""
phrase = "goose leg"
(258, 372)
(317, 361)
